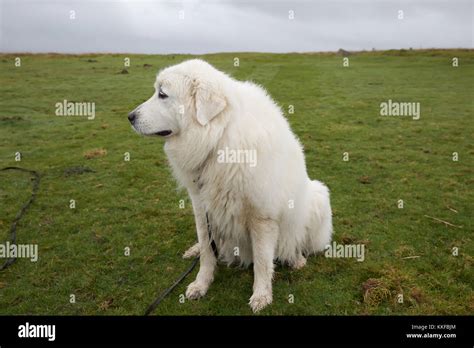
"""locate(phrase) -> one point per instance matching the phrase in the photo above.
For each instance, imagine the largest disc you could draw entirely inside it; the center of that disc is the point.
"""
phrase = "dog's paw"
(192, 252)
(299, 263)
(259, 301)
(195, 290)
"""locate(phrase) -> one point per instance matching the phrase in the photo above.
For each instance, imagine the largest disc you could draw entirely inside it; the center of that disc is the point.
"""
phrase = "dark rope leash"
(19, 215)
(165, 293)
(209, 232)
(183, 275)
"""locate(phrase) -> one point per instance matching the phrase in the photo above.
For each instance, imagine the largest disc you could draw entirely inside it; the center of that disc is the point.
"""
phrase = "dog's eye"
(161, 94)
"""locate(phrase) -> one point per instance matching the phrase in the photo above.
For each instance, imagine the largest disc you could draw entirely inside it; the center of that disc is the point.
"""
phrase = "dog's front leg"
(207, 261)
(264, 236)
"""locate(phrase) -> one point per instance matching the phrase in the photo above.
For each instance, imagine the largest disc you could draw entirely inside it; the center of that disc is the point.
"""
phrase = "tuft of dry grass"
(375, 292)
(387, 288)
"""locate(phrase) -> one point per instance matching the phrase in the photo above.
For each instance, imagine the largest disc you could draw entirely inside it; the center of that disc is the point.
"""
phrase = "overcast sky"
(145, 26)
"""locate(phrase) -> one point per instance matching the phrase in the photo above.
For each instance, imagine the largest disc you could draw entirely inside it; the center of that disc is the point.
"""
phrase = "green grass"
(136, 204)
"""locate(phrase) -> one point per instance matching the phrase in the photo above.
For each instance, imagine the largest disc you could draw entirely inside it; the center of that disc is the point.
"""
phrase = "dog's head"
(187, 98)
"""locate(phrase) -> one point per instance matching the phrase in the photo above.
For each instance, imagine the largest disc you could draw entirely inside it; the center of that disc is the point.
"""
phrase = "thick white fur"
(268, 212)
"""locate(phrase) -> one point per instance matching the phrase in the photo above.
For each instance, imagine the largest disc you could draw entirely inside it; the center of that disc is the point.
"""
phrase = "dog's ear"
(210, 101)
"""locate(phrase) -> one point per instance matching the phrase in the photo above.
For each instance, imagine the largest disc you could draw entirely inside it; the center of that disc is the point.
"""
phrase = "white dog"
(230, 146)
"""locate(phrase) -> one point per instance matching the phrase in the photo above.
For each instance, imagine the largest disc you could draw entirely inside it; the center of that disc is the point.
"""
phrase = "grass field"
(135, 203)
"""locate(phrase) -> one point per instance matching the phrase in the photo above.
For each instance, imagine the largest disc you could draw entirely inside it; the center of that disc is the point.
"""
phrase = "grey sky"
(218, 26)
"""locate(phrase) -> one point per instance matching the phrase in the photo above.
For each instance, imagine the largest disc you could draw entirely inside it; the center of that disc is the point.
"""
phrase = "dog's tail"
(319, 222)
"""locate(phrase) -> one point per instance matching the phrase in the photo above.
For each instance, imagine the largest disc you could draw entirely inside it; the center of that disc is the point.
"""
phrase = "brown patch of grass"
(95, 153)
(418, 295)
(347, 239)
(106, 304)
(365, 180)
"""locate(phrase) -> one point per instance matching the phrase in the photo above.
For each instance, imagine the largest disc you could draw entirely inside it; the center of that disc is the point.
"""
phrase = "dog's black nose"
(132, 116)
